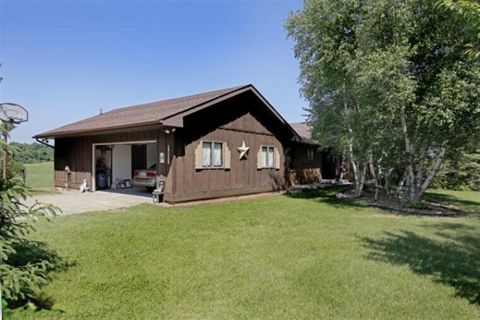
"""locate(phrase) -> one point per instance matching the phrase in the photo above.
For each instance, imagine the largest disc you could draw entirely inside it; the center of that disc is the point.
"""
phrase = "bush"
(460, 174)
(32, 152)
(24, 264)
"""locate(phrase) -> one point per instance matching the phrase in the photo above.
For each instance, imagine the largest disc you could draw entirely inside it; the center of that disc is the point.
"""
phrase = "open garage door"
(114, 164)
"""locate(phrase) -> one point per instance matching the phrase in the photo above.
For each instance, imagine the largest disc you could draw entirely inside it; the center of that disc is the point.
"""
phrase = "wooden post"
(4, 164)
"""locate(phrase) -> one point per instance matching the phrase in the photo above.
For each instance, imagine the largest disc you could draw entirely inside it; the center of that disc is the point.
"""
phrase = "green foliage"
(14, 168)
(32, 152)
(24, 264)
(389, 80)
(467, 11)
(462, 173)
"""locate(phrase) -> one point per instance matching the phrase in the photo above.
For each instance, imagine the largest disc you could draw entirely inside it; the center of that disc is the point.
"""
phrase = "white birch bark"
(359, 186)
(433, 172)
(350, 140)
(409, 154)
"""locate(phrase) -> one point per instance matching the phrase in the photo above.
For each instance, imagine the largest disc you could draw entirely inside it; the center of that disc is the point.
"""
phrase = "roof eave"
(73, 133)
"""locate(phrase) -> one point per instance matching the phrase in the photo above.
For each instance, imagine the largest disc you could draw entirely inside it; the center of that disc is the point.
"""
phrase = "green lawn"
(39, 175)
(308, 257)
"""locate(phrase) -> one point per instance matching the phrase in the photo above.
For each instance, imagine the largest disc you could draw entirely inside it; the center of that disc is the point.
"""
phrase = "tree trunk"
(350, 140)
(409, 156)
(387, 181)
(360, 184)
(401, 183)
(420, 169)
(433, 172)
(353, 162)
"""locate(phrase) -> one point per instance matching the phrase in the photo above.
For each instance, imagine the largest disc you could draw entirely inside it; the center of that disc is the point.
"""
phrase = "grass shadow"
(472, 207)
(453, 259)
(328, 195)
(31, 252)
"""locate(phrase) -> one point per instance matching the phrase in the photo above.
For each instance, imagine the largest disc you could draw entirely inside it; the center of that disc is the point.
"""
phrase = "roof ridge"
(176, 98)
(171, 107)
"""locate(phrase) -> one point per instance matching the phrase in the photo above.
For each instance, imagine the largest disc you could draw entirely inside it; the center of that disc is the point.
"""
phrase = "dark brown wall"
(77, 154)
(233, 122)
(303, 170)
(299, 156)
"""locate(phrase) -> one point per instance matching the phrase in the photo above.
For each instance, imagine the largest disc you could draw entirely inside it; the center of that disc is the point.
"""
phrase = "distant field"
(39, 175)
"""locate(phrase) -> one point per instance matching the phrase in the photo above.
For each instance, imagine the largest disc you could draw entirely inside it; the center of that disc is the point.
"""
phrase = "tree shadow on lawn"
(31, 252)
(472, 207)
(453, 259)
(328, 195)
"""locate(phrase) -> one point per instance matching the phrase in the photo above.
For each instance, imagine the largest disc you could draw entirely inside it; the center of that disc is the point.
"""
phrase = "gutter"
(44, 142)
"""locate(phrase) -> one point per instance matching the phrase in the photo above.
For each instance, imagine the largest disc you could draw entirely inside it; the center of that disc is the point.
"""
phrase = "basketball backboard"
(11, 112)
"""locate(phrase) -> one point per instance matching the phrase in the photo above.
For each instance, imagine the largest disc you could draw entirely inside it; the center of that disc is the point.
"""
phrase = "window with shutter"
(268, 157)
(278, 159)
(210, 154)
(226, 156)
(207, 154)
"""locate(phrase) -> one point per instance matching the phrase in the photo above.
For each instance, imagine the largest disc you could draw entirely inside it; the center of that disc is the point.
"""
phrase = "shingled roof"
(303, 129)
(143, 114)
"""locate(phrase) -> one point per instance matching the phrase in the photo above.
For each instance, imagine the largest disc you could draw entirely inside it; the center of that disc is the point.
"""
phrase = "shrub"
(24, 264)
(462, 173)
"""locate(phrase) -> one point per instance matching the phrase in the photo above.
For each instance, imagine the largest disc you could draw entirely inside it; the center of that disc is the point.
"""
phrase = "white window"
(212, 154)
(207, 154)
(268, 157)
(217, 154)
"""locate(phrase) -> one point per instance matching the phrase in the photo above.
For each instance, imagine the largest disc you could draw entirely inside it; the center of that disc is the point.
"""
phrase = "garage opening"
(127, 167)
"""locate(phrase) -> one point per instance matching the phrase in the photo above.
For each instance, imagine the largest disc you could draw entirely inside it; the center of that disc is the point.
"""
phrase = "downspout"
(42, 141)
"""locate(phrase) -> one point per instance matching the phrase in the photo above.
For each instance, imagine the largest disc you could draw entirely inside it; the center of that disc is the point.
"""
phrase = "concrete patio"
(73, 201)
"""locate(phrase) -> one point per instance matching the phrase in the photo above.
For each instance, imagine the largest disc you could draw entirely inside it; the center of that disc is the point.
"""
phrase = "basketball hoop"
(13, 113)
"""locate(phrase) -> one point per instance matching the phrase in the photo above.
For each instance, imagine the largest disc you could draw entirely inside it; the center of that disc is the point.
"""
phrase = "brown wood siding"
(232, 124)
(77, 154)
(304, 170)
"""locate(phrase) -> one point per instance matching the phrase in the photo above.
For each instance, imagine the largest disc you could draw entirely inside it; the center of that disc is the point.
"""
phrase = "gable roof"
(142, 114)
(303, 129)
(167, 112)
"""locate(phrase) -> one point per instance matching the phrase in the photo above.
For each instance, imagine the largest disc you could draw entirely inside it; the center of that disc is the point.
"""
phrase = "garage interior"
(115, 164)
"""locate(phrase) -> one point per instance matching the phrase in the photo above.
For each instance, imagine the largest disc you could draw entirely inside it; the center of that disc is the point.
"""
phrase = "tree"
(326, 46)
(410, 94)
(469, 12)
(24, 264)
(32, 152)
(461, 173)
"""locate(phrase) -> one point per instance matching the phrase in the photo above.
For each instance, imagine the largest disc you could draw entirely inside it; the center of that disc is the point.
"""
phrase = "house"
(214, 144)
(309, 162)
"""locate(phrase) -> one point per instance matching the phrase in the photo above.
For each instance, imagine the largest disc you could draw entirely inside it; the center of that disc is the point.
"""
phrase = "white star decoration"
(243, 149)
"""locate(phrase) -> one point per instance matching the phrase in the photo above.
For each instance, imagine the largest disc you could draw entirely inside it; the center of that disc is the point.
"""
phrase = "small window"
(212, 154)
(310, 154)
(268, 157)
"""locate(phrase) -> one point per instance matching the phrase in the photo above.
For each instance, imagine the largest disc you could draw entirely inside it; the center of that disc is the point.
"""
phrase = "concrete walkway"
(74, 201)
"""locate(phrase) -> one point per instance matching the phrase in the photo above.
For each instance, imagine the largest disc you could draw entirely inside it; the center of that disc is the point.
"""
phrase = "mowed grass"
(304, 257)
(39, 175)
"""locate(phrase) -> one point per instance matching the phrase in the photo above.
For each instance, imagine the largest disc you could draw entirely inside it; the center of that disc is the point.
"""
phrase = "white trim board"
(107, 144)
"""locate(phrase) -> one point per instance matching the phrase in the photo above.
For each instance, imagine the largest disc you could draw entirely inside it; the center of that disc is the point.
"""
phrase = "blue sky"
(64, 60)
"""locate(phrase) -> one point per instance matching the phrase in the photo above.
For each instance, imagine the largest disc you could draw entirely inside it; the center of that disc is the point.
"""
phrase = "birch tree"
(389, 81)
